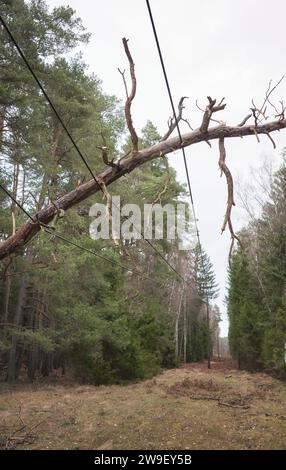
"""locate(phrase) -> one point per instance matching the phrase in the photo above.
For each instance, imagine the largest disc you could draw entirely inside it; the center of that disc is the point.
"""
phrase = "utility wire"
(16, 202)
(175, 117)
(166, 261)
(183, 150)
(98, 255)
(51, 231)
(21, 53)
(70, 136)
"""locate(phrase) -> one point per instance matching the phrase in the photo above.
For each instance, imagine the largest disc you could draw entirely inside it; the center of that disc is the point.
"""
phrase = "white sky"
(220, 48)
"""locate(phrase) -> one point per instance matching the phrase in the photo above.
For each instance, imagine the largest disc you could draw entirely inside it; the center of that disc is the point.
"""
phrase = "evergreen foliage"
(257, 281)
(62, 308)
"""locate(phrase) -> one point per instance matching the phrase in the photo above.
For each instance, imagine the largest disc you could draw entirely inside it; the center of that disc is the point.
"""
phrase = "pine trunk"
(13, 363)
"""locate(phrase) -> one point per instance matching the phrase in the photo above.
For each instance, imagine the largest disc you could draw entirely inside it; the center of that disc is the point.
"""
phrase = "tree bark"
(177, 326)
(111, 174)
(3, 109)
(185, 327)
(12, 365)
(218, 346)
(7, 290)
(7, 298)
(33, 350)
(209, 335)
(14, 193)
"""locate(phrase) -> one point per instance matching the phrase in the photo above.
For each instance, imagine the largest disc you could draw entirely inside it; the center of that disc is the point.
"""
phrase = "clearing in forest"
(186, 408)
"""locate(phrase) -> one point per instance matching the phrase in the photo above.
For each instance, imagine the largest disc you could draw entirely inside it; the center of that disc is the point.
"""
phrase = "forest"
(60, 306)
(131, 321)
(256, 297)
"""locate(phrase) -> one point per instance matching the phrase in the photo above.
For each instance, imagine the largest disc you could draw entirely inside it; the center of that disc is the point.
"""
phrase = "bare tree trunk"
(46, 364)
(13, 215)
(209, 335)
(23, 187)
(177, 327)
(6, 299)
(239, 361)
(218, 346)
(33, 353)
(2, 122)
(7, 269)
(32, 361)
(14, 192)
(185, 327)
(7, 291)
(189, 325)
(12, 366)
(171, 297)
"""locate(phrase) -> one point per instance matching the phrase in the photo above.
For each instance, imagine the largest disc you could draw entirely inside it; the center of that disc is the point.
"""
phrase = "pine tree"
(207, 288)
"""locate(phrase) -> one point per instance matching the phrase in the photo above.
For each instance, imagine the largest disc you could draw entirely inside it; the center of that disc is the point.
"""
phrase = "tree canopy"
(61, 307)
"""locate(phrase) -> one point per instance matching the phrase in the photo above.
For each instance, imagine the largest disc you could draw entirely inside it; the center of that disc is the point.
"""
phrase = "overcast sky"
(220, 48)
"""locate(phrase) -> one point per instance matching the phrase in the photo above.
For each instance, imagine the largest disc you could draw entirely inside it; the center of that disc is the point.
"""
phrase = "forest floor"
(186, 408)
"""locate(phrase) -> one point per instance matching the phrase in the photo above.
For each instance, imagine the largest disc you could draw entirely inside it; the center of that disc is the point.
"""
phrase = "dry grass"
(186, 408)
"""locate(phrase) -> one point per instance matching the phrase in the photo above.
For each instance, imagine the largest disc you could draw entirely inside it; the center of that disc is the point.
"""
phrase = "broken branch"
(129, 98)
(210, 109)
(230, 199)
(104, 153)
(173, 122)
(29, 229)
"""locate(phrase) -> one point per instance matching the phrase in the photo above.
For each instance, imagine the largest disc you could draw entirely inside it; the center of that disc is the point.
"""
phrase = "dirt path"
(186, 408)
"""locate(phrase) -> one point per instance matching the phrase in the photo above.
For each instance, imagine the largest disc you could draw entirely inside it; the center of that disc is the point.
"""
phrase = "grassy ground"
(186, 408)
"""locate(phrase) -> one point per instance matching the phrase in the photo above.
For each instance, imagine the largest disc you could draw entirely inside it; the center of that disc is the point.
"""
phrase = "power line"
(98, 255)
(58, 236)
(183, 151)
(166, 261)
(175, 117)
(52, 232)
(46, 95)
(71, 138)
(16, 202)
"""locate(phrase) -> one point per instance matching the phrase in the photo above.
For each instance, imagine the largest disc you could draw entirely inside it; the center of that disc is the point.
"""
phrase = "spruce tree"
(207, 288)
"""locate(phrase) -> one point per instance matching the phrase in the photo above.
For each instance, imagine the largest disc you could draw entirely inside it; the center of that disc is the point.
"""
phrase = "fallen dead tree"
(135, 157)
